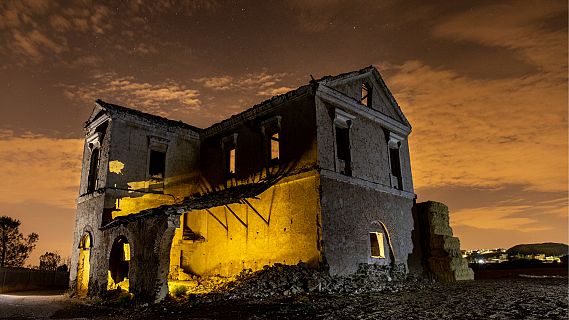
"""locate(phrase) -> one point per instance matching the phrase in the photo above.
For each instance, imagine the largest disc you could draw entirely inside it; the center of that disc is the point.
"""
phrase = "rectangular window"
(93, 171)
(343, 150)
(366, 95)
(230, 160)
(376, 245)
(275, 147)
(395, 168)
(157, 164)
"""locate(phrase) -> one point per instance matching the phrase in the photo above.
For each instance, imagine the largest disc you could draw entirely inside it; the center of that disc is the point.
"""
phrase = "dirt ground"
(521, 298)
(32, 304)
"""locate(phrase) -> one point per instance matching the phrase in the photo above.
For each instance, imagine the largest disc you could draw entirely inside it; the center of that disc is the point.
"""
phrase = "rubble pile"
(287, 280)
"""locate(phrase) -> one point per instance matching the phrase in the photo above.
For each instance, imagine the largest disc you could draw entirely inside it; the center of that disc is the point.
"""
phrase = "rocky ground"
(520, 298)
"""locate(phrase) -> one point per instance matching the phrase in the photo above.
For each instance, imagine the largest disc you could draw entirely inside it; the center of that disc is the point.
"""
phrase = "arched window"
(85, 242)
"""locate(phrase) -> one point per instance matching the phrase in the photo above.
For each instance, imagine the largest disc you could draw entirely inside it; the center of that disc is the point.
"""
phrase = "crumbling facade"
(319, 175)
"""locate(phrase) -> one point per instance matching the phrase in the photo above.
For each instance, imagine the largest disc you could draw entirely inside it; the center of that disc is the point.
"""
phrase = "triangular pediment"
(97, 112)
(350, 84)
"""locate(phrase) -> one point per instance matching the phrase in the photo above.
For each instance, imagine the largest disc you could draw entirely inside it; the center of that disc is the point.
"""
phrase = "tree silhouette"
(14, 247)
(49, 261)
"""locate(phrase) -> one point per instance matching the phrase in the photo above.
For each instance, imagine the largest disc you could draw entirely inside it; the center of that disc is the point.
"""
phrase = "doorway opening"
(119, 261)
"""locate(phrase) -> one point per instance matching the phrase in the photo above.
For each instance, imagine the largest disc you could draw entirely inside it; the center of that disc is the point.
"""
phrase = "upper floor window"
(94, 143)
(157, 164)
(366, 94)
(229, 150)
(342, 126)
(230, 161)
(93, 170)
(394, 144)
(270, 129)
(275, 147)
(343, 150)
(157, 148)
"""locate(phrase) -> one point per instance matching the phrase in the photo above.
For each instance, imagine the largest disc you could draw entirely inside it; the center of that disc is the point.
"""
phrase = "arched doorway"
(119, 260)
(83, 265)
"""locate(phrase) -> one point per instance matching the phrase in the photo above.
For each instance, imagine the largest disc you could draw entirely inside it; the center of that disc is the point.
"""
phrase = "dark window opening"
(395, 168)
(376, 245)
(93, 171)
(343, 150)
(157, 164)
(366, 95)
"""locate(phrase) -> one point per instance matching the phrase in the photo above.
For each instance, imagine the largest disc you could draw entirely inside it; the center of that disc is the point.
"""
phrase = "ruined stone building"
(319, 175)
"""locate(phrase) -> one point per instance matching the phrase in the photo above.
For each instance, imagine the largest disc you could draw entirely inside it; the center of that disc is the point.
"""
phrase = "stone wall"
(441, 250)
(365, 201)
(350, 211)
(150, 240)
(368, 147)
(314, 214)
(123, 187)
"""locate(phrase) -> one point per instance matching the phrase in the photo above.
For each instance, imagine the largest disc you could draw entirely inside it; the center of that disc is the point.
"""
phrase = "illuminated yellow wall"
(290, 236)
(83, 269)
(130, 205)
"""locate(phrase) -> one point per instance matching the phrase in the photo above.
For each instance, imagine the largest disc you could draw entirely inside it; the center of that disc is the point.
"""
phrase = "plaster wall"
(128, 179)
(284, 229)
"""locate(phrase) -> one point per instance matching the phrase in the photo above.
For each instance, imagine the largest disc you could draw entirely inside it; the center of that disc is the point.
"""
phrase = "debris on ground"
(287, 280)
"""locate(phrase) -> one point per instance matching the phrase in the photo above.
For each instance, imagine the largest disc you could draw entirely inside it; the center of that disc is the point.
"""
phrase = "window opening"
(376, 245)
(343, 150)
(230, 170)
(229, 155)
(93, 171)
(275, 147)
(395, 168)
(157, 164)
(366, 95)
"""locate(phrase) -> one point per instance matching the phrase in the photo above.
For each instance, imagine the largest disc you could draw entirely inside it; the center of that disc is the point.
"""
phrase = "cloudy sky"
(484, 84)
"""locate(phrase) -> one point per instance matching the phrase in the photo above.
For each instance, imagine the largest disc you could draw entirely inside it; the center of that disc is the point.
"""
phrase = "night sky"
(484, 84)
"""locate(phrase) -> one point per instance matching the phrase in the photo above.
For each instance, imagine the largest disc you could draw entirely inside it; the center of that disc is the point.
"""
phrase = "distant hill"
(548, 248)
